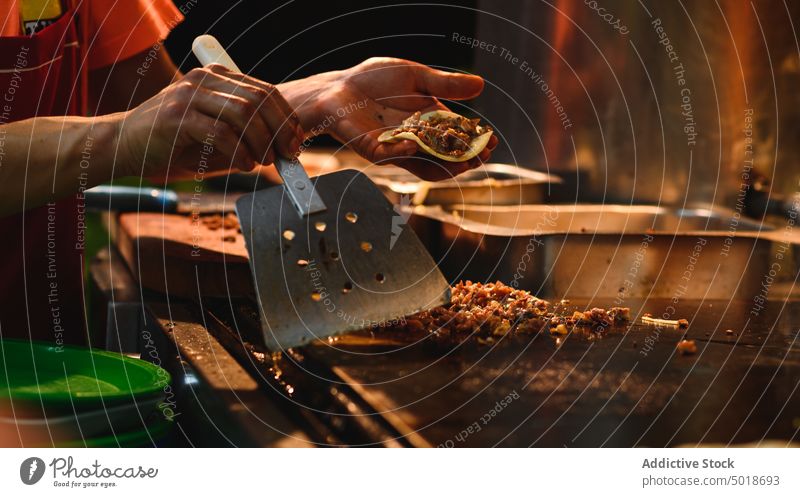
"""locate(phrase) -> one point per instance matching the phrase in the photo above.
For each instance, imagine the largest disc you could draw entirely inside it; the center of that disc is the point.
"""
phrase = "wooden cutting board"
(183, 255)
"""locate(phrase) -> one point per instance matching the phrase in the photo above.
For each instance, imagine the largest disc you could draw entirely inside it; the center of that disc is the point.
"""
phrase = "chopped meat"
(496, 310)
(601, 317)
(687, 347)
(445, 134)
(217, 221)
(212, 222)
(230, 221)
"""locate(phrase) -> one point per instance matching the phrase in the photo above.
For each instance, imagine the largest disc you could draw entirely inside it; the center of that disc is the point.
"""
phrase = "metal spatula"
(329, 256)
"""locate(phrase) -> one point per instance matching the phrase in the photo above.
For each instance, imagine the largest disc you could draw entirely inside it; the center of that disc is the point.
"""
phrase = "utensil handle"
(130, 199)
(304, 196)
(208, 50)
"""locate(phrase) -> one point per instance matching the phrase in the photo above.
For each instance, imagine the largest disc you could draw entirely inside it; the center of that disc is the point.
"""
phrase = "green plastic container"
(70, 379)
(149, 436)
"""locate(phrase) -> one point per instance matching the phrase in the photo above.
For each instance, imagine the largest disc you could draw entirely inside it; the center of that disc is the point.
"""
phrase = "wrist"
(93, 145)
(123, 159)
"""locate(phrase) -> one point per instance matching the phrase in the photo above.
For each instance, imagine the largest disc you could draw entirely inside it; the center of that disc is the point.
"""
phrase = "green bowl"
(149, 436)
(70, 379)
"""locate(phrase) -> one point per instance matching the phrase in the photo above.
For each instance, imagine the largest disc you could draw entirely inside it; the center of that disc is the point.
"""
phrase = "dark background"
(279, 41)
(276, 41)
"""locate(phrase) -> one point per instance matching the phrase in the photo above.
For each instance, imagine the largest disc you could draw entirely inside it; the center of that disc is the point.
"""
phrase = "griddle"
(625, 387)
(588, 390)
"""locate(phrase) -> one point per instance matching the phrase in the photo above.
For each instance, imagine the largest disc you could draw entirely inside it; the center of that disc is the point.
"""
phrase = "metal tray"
(611, 251)
(489, 184)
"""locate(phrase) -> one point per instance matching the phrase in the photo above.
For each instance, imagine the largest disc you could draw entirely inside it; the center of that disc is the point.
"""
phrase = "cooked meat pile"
(217, 221)
(494, 310)
(447, 135)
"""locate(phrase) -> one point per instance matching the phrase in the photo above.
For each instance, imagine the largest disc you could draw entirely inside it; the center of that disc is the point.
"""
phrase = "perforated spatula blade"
(328, 256)
(346, 268)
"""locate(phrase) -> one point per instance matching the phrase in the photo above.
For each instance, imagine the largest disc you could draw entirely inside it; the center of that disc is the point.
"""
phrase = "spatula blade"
(347, 268)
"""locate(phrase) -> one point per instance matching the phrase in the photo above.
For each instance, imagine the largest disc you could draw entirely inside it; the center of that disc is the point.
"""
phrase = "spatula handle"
(304, 196)
(208, 50)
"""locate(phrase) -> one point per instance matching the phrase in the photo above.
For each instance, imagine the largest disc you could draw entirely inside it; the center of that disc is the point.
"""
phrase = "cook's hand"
(378, 94)
(231, 120)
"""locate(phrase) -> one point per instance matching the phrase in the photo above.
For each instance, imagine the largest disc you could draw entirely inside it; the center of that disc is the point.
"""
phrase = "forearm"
(130, 82)
(48, 158)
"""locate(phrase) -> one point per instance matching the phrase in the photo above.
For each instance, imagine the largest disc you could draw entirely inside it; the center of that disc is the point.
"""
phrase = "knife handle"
(130, 199)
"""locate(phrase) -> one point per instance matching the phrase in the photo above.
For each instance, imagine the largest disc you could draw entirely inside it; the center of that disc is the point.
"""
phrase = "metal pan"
(613, 251)
(489, 184)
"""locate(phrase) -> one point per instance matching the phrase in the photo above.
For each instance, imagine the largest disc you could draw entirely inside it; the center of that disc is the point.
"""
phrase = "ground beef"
(215, 222)
(492, 310)
(447, 135)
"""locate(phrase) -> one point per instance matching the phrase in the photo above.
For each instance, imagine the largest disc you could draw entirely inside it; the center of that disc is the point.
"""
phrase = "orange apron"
(41, 259)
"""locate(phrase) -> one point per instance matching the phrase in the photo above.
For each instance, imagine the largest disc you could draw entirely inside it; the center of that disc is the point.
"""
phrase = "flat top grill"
(625, 387)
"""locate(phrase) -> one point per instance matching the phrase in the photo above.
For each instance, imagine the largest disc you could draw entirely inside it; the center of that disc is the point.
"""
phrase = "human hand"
(229, 120)
(378, 94)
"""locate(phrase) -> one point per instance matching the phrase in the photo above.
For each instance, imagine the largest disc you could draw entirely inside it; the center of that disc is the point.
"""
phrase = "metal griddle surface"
(610, 390)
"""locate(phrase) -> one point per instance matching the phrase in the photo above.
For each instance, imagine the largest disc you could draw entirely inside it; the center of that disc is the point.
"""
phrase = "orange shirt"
(9, 18)
(118, 29)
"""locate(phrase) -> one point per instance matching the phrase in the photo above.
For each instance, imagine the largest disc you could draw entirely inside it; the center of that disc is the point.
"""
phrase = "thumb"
(450, 85)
